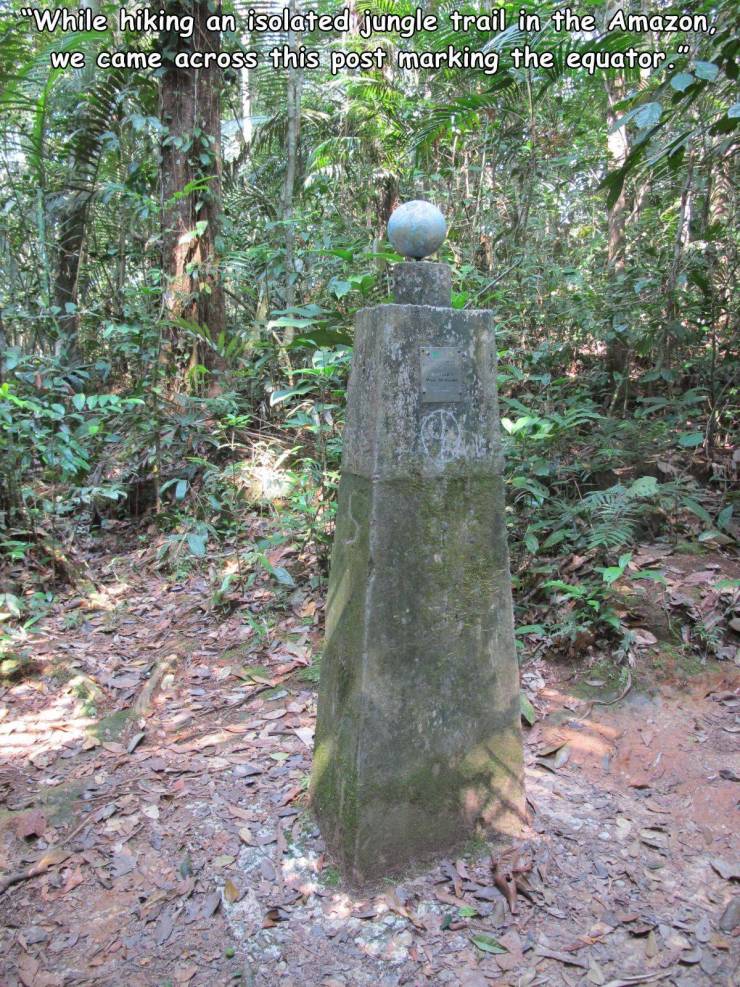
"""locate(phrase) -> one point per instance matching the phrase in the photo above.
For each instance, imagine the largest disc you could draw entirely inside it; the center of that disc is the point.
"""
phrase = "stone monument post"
(418, 743)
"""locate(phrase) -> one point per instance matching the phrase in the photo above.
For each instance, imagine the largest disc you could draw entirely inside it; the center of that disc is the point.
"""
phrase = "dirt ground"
(154, 772)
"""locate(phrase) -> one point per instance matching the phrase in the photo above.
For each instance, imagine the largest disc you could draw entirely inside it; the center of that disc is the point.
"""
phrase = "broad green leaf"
(283, 576)
(340, 288)
(644, 486)
(648, 115)
(527, 709)
(653, 574)
(529, 629)
(487, 943)
(197, 544)
(181, 489)
(610, 574)
(689, 440)
(296, 323)
(11, 604)
(555, 538)
(712, 536)
(691, 505)
(681, 81)
(467, 911)
(531, 542)
(278, 572)
(277, 397)
(725, 516)
(706, 70)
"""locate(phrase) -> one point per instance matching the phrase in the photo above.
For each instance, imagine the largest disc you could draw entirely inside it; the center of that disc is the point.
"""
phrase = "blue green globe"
(417, 229)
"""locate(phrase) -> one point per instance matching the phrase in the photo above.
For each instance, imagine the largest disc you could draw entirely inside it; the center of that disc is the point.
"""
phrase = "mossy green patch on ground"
(272, 695)
(692, 548)
(87, 692)
(60, 672)
(476, 848)
(602, 681)
(14, 667)
(675, 661)
(58, 802)
(110, 727)
(331, 877)
(238, 652)
(606, 680)
(311, 673)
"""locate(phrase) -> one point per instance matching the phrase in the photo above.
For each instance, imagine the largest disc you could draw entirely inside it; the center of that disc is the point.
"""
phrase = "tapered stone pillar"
(418, 743)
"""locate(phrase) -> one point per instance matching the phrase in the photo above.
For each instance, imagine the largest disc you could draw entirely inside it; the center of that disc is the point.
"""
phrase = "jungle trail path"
(154, 827)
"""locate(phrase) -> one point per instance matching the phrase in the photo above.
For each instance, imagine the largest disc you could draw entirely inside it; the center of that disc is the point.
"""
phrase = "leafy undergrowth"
(156, 766)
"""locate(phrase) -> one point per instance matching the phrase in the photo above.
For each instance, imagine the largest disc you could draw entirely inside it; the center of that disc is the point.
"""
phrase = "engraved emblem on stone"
(441, 437)
(441, 374)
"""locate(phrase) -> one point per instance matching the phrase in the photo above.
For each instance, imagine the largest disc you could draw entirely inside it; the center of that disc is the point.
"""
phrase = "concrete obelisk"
(418, 742)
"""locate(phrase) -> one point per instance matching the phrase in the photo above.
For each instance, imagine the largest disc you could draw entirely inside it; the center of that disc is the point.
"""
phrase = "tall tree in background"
(91, 119)
(292, 138)
(618, 149)
(190, 168)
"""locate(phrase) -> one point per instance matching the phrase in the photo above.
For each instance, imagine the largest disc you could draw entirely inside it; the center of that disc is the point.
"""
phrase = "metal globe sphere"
(416, 229)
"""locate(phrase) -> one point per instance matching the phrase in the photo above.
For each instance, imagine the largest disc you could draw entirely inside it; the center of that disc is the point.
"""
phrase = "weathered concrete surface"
(427, 284)
(418, 741)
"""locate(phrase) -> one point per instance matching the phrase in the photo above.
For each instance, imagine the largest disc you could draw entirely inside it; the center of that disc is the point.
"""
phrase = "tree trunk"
(292, 139)
(70, 240)
(190, 109)
(668, 335)
(92, 118)
(617, 348)
(722, 269)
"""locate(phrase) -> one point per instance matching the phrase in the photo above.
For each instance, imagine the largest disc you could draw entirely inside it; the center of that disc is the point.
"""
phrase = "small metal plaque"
(441, 374)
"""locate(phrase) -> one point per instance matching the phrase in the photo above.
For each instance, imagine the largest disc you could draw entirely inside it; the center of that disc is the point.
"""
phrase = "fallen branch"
(164, 665)
(608, 702)
(49, 860)
(639, 978)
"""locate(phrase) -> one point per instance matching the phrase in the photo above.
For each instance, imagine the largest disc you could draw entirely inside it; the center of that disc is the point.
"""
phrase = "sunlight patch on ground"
(105, 599)
(35, 733)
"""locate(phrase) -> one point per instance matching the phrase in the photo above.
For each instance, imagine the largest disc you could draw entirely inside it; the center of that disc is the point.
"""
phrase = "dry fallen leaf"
(231, 892)
(727, 870)
(123, 863)
(595, 974)
(30, 824)
(184, 974)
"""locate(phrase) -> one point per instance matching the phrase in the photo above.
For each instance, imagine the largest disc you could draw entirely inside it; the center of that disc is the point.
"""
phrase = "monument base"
(418, 746)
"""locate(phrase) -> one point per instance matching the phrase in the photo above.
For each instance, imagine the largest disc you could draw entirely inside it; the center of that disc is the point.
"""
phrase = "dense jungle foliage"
(182, 254)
